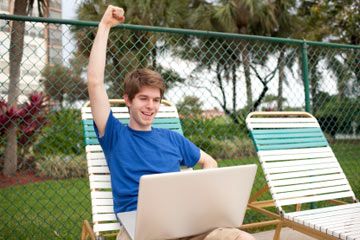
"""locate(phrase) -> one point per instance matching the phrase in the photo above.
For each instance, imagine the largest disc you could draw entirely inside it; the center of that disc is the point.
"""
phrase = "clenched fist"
(113, 16)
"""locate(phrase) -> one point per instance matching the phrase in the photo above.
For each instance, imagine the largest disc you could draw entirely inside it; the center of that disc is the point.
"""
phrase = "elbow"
(92, 81)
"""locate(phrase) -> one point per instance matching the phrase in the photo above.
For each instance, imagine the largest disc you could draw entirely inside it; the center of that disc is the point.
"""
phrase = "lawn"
(46, 210)
(56, 209)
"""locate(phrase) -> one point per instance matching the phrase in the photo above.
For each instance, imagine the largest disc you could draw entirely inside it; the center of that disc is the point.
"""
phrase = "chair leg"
(87, 231)
(277, 231)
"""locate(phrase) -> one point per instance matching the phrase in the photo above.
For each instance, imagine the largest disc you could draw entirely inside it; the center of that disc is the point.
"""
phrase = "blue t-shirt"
(131, 154)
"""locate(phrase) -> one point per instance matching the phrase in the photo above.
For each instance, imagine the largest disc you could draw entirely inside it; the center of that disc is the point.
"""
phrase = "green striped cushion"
(288, 138)
(166, 123)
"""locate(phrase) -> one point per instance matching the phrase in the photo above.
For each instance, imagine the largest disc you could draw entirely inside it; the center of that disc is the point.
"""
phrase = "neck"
(134, 126)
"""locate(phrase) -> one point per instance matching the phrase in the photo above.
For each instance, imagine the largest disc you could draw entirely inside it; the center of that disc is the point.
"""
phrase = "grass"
(56, 209)
(46, 210)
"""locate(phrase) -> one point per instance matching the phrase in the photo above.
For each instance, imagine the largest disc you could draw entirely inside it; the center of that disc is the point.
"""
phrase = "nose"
(150, 104)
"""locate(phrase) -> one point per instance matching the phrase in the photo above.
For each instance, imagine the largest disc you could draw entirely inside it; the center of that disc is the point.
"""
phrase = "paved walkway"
(286, 234)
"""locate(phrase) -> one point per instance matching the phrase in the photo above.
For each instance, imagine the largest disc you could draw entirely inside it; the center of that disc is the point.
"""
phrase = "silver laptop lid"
(174, 205)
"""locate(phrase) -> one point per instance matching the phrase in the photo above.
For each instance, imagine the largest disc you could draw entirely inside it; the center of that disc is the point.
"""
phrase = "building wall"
(42, 46)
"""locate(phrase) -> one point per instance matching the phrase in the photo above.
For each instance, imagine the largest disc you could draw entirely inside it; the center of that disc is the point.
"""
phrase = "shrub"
(219, 137)
(28, 118)
(338, 115)
(62, 166)
(63, 136)
(234, 148)
(216, 128)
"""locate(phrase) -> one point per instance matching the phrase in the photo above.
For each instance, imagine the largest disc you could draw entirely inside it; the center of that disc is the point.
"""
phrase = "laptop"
(181, 204)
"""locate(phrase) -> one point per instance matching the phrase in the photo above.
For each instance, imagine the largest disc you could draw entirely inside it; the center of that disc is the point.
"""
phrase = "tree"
(21, 7)
(334, 21)
(189, 106)
(226, 56)
(63, 84)
(130, 50)
(287, 25)
(245, 17)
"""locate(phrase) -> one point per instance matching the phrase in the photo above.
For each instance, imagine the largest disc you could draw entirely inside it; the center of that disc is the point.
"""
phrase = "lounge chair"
(301, 169)
(103, 217)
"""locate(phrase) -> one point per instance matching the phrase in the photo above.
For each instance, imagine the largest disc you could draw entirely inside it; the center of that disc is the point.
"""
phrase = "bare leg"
(222, 234)
(123, 235)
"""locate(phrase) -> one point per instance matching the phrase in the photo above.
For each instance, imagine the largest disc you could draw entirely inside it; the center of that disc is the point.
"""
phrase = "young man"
(137, 149)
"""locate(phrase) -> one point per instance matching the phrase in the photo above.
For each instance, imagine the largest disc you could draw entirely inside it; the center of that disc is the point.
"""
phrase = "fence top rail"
(81, 23)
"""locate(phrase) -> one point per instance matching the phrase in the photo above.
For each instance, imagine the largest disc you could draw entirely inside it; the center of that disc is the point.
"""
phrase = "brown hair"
(139, 78)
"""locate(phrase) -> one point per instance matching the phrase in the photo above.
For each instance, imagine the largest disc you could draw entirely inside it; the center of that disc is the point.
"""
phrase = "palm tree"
(226, 56)
(287, 26)
(322, 20)
(245, 17)
(129, 50)
(21, 7)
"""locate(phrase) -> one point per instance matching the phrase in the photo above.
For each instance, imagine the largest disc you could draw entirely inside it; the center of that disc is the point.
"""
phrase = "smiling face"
(143, 107)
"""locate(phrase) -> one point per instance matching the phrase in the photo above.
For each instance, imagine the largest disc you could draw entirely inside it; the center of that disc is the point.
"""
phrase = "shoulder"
(114, 123)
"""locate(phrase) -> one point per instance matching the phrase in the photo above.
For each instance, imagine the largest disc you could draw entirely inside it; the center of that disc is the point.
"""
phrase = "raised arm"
(99, 100)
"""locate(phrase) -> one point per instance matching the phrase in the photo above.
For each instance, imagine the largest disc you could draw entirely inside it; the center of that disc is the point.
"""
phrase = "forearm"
(97, 60)
(206, 161)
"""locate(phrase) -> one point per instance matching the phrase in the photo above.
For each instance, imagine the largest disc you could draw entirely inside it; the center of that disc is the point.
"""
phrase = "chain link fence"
(215, 79)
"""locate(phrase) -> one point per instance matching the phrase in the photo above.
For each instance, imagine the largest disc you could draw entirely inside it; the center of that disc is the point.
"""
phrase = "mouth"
(147, 115)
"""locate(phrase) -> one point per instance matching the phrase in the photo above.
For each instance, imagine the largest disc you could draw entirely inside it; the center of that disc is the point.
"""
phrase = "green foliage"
(334, 117)
(28, 119)
(219, 137)
(128, 50)
(235, 148)
(62, 166)
(189, 106)
(63, 84)
(60, 150)
(63, 135)
(220, 128)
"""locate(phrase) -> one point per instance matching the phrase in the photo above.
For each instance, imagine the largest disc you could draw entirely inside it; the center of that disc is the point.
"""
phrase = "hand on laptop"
(206, 161)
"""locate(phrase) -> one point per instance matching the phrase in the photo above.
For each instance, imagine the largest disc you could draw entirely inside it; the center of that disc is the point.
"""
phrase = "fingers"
(117, 13)
(113, 16)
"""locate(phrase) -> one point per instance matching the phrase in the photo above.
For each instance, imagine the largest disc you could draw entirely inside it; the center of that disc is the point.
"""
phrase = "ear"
(127, 100)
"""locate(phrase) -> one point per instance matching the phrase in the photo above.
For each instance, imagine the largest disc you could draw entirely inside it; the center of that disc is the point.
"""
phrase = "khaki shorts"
(217, 234)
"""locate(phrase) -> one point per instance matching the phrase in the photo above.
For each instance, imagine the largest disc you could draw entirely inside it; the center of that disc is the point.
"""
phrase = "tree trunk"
(246, 64)
(314, 82)
(234, 113)
(219, 79)
(259, 100)
(221, 86)
(154, 56)
(281, 80)
(15, 57)
(233, 70)
(341, 86)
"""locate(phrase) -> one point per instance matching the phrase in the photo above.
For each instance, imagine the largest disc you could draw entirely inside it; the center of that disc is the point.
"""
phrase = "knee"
(229, 234)
(245, 236)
